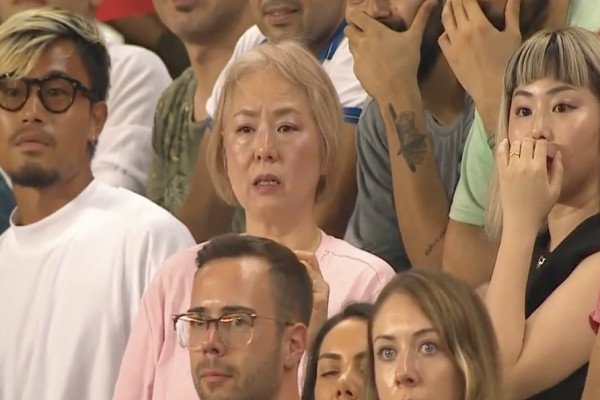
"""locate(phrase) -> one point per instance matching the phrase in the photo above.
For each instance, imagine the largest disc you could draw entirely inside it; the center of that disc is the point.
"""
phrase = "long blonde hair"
(463, 323)
(570, 55)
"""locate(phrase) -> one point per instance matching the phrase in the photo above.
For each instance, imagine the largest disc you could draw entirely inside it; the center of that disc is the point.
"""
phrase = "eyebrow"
(55, 73)
(278, 112)
(554, 90)
(224, 310)
(330, 356)
(334, 356)
(420, 332)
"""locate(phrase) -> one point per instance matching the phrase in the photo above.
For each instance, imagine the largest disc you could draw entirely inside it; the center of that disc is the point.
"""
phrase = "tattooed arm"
(419, 197)
(387, 62)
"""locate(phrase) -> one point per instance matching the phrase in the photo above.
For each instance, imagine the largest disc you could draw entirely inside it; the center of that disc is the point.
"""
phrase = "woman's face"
(411, 361)
(568, 117)
(273, 146)
(342, 360)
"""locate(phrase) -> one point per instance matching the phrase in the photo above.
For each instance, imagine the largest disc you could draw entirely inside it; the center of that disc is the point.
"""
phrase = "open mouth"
(266, 180)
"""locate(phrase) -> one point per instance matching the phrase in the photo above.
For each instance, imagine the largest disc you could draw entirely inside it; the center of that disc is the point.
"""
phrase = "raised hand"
(478, 52)
(320, 292)
(383, 56)
(529, 185)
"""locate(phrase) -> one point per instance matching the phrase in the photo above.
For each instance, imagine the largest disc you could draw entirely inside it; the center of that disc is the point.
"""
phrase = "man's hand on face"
(382, 56)
(478, 52)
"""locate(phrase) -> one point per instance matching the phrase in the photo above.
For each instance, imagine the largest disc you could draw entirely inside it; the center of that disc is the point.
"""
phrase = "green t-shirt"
(470, 197)
(176, 140)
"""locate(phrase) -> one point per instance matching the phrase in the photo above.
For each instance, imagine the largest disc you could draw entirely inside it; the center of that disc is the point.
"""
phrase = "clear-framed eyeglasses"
(234, 329)
(57, 93)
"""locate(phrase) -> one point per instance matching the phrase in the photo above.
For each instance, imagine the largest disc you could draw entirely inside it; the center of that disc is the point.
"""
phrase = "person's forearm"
(557, 15)
(420, 200)
(469, 253)
(506, 293)
(317, 319)
(488, 104)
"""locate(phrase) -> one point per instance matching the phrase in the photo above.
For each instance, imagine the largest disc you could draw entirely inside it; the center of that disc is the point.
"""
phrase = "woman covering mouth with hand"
(544, 206)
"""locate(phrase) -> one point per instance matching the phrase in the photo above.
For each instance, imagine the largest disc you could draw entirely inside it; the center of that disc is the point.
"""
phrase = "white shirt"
(124, 153)
(337, 62)
(70, 287)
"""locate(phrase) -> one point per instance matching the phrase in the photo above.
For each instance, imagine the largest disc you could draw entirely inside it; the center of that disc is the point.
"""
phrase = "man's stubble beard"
(256, 385)
(32, 175)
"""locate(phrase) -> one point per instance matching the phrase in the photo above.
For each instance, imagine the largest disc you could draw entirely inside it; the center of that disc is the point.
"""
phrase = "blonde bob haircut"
(462, 322)
(26, 35)
(570, 55)
(301, 69)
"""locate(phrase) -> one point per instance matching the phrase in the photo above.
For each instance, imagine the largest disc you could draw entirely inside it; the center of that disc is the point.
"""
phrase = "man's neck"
(289, 388)
(443, 96)
(317, 46)
(34, 204)
(208, 59)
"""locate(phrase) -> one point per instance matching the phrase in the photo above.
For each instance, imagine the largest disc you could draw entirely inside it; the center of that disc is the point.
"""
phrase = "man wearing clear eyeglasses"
(246, 328)
(78, 253)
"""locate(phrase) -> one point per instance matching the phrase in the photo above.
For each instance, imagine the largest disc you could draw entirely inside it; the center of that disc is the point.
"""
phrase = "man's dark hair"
(291, 284)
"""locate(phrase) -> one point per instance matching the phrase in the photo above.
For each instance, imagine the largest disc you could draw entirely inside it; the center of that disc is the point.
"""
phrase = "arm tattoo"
(435, 242)
(413, 144)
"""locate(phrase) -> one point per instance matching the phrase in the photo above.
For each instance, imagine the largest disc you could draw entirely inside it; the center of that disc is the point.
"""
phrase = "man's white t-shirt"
(336, 59)
(70, 287)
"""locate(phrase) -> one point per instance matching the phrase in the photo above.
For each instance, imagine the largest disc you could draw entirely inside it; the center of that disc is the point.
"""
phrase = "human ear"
(99, 114)
(295, 344)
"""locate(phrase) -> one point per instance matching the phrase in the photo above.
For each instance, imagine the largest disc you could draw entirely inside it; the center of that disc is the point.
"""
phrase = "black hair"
(291, 283)
(361, 311)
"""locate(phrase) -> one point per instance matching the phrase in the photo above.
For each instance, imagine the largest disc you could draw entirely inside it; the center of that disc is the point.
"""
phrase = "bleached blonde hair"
(301, 69)
(26, 35)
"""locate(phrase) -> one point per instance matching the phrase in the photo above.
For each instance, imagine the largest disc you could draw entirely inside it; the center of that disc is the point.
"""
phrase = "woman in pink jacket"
(273, 151)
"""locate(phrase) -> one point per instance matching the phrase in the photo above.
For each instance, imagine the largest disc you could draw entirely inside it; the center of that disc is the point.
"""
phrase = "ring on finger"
(515, 153)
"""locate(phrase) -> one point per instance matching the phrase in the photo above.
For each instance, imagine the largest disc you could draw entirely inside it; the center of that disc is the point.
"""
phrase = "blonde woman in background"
(431, 339)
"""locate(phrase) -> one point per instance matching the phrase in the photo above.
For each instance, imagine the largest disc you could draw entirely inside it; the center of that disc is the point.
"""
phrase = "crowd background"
(285, 199)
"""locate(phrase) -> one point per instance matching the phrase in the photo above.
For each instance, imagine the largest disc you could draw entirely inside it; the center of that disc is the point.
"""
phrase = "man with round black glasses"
(123, 152)
(56, 92)
(246, 328)
(78, 253)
